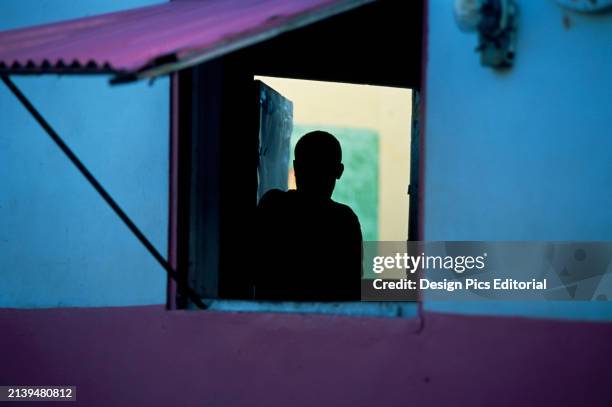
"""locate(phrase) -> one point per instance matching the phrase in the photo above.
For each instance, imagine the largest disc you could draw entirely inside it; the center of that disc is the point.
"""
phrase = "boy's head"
(318, 163)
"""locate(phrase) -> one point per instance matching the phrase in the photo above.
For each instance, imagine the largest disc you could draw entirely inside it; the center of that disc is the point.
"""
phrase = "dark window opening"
(219, 126)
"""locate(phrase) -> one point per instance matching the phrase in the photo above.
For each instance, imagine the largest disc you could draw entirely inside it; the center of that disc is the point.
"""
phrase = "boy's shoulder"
(272, 197)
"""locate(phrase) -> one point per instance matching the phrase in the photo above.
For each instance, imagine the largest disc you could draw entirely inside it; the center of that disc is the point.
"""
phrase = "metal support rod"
(105, 195)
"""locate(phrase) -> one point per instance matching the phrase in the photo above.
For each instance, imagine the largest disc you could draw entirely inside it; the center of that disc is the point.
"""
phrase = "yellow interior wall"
(387, 111)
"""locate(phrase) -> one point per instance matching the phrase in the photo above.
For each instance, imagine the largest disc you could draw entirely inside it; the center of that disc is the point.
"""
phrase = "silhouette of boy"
(309, 246)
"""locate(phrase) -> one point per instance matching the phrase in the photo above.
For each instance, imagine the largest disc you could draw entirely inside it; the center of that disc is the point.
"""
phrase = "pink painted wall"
(149, 356)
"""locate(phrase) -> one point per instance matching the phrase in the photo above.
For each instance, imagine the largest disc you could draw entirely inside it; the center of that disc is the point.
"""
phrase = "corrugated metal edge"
(61, 67)
(172, 62)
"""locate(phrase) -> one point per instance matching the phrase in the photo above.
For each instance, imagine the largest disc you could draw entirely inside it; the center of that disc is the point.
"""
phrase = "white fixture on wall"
(495, 22)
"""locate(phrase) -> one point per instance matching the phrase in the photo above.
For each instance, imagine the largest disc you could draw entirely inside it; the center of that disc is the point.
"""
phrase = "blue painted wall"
(60, 245)
(522, 155)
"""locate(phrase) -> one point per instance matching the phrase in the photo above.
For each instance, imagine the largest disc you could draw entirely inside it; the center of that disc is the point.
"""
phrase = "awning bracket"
(193, 296)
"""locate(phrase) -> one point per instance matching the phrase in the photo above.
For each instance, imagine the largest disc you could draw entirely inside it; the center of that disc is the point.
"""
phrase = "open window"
(267, 96)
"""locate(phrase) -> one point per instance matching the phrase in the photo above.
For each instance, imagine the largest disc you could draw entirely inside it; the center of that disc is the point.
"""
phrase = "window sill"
(357, 309)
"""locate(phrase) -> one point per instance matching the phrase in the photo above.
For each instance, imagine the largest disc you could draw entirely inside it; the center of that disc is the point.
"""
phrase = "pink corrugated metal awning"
(155, 40)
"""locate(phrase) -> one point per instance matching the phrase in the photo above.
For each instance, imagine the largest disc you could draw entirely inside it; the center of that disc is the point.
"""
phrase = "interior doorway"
(373, 125)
